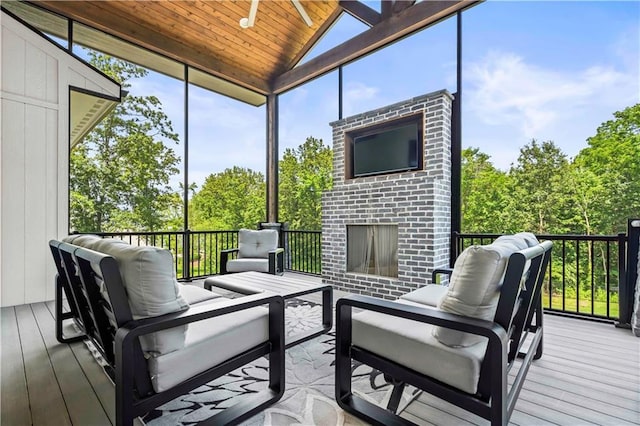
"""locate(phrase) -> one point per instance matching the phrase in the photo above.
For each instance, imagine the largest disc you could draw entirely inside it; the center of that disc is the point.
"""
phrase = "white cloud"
(518, 101)
(504, 88)
(358, 97)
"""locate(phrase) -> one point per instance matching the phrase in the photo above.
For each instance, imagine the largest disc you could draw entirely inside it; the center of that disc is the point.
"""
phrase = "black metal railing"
(585, 274)
(203, 248)
(302, 249)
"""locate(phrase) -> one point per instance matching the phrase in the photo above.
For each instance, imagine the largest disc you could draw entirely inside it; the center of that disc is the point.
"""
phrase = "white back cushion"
(522, 240)
(82, 240)
(148, 276)
(474, 289)
(257, 243)
(528, 237)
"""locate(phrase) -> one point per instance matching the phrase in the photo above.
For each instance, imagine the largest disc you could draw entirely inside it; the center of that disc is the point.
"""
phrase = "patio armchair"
(457, 343)
(158, 345)
(257, 251)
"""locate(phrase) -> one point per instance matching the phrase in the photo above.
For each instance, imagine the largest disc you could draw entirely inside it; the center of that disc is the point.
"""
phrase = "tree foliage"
(538, 183)
(119, 175)
(305, 172)
(612, 159)
(545, 192)
(236, 197)
(484, 193)
(232, 199)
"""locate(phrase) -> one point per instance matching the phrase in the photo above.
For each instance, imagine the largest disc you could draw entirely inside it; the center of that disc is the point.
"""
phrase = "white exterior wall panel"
(36, 75)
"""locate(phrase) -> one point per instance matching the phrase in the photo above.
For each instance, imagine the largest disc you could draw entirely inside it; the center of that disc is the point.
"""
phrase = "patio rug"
(309, 395)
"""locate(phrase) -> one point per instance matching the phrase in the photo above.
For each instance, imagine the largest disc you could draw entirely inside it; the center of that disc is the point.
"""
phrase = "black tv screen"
(390, 150)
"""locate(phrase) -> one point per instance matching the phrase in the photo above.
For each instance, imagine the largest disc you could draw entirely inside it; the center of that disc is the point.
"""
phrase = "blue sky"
(546, 70)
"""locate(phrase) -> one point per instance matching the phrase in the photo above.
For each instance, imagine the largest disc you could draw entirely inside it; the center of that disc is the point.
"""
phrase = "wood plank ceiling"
(207, 35)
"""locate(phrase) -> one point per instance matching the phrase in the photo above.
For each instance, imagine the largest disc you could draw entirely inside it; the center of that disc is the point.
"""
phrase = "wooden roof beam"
(385, 8)
(92, 15)
(326, 25)
(361, 12)
(400, 5)
(394, 28)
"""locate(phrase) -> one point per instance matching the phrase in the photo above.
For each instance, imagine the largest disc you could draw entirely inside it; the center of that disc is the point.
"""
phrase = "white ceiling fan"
(251, 19)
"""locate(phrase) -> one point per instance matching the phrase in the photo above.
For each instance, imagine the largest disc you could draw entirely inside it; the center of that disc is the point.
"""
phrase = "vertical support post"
(456, 146)
(623, 302)
(186, 237)
(272, 158)
(340, 92)
(633, 260)
(386, 8)
(627, 292)
(70, 36)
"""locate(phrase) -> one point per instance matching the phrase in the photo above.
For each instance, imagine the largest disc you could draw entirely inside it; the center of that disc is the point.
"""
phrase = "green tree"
(613, 156)
(539, 188)
(485, 195)
(305, 172)
(232, 199)
(119, 175)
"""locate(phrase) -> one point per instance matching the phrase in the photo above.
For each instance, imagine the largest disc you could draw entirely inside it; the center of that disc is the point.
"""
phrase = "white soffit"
(87, 111)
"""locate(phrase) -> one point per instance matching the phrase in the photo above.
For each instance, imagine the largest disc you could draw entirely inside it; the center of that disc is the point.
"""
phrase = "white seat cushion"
(210, 342)
(245, 265)
(411, 344)
(474, 288)
(257, 244)
(194, 294)
(429, 295)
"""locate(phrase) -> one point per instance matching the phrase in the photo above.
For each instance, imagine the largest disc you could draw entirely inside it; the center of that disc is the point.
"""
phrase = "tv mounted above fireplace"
(391, 147)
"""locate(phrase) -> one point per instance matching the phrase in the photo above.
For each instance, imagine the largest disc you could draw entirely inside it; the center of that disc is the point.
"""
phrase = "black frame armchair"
(275, 256)
(518, 315)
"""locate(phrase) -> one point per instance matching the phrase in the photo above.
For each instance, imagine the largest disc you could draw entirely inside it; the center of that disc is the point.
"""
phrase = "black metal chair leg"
(396, 396)
(61, 316)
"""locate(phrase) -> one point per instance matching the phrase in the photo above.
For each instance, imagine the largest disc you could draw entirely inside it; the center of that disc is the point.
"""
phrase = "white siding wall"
(36, 75)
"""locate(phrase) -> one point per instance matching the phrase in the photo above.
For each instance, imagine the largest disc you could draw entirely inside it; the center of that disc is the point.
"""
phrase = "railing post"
(453, 248)
(186, 255)
(631, 275)
(624, 315)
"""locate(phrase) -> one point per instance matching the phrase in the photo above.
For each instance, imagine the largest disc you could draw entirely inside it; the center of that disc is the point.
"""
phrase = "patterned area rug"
(309, 396)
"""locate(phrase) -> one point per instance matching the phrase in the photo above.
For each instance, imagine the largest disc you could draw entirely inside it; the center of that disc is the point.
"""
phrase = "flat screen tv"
(389, 150)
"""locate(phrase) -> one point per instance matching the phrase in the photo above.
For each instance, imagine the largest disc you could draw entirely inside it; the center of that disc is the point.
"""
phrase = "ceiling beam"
(328, 23)
(91, 14)
(394, 28)
(385, 8)
(361, 12)
(400, 5)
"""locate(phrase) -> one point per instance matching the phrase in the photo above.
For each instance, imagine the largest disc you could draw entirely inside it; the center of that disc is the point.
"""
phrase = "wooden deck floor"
(589, 374)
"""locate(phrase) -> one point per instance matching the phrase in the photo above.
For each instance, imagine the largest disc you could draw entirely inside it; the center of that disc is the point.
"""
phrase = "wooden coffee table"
(286, 286)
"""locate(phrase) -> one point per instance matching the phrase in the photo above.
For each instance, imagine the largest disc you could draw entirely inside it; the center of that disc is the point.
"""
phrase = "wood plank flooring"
(589, 374)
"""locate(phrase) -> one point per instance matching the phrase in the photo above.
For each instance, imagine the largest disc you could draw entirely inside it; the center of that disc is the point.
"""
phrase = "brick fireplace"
(417, 203)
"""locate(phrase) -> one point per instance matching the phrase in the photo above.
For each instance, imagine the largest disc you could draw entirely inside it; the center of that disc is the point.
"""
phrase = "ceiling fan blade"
(249, 21)
(302, 12)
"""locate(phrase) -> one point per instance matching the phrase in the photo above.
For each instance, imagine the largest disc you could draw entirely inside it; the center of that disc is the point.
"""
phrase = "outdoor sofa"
(159, 338)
